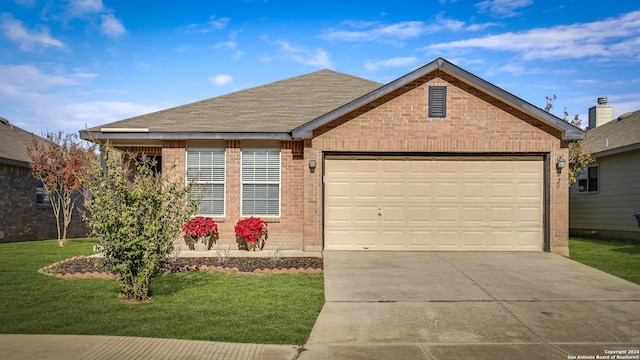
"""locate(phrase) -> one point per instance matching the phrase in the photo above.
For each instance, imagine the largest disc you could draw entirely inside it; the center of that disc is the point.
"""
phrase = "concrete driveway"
(460, 305)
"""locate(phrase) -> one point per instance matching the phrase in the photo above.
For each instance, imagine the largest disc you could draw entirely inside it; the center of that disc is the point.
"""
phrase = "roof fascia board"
(570, 132)
(619, 150)
(14, 162)
(184, 136)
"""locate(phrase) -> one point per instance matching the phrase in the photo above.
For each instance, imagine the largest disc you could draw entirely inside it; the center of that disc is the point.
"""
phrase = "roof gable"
(619, 135)
(569, 131)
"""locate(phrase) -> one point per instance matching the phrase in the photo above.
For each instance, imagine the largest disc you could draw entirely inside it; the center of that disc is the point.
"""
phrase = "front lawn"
(270, 309)
(619, 259)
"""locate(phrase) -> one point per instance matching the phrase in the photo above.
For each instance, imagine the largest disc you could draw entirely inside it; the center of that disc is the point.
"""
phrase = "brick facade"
(476, 123)
(21, 219)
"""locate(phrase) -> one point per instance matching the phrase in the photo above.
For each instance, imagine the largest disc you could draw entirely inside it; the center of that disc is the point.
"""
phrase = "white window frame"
(266, 182)
(223, 182)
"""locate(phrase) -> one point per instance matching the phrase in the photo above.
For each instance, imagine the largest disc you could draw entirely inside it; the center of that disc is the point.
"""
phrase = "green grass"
(619, 259)
(270, 309)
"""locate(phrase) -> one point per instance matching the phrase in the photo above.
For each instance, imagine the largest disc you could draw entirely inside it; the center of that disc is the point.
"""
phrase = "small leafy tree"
(61, 163)
(136, 216)
(578, 157)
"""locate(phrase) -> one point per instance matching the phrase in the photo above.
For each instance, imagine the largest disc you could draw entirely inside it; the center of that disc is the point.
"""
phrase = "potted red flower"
(200, 233)
(251, 233)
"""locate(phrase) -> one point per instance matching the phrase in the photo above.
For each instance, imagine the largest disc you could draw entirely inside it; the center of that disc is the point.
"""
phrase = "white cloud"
(218, 24)
(111, 26)
(609, 38)
(38, 101)
(213, 24)
(27, 39)
(399, 61)
(370, 31)
(316, 58)
(401, 30)
(80, 8)
(28, 78)
(503, 8)
(226, 45)
(221, 79)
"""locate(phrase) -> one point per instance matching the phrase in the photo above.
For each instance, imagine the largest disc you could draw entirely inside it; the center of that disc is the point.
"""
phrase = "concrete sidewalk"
(75, 347)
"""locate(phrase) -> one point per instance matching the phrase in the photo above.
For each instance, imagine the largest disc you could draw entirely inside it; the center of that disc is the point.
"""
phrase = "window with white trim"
(260, 179)
(206, 174)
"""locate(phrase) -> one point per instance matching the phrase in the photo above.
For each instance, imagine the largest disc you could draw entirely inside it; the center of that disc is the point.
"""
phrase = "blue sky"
(67, 64)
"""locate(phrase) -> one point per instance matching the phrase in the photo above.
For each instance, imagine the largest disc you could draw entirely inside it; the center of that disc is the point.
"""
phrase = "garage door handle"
(379, 211)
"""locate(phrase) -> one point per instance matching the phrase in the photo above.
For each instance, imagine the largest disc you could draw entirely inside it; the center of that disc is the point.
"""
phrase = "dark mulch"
(82, 265)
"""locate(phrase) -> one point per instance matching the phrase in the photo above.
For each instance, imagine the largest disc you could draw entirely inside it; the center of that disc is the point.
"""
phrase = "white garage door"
(433, 203)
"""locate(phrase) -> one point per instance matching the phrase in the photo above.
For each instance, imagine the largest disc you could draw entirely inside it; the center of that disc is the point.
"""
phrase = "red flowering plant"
(252, 231)
(201, 228)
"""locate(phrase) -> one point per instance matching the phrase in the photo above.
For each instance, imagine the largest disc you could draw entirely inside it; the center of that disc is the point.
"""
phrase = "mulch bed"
(84, 267)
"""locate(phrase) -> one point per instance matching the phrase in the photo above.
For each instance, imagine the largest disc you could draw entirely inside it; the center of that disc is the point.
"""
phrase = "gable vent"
(437, 101)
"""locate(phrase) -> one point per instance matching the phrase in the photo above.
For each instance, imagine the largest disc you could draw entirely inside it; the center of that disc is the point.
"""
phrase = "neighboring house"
(438, 159)
(25, 210)
(607, 193)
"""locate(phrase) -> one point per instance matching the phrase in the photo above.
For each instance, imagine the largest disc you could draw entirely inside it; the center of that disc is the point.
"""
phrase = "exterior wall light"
(312, 161)
(561, 162)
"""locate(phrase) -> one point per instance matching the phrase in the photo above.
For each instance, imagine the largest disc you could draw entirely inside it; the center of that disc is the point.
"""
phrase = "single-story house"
(438, 159)
(607, 194)
(25, 209)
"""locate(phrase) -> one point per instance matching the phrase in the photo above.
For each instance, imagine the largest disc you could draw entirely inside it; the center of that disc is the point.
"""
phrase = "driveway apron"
(463, 305)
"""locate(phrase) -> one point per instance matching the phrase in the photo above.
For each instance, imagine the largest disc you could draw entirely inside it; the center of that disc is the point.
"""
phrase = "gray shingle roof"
(276, 107)
(13, 144)
(616, 136)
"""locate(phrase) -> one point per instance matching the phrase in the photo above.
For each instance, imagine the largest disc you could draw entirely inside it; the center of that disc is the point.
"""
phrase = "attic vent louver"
(4, 121)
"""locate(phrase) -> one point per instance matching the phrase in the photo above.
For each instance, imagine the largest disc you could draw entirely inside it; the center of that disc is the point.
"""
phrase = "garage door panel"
(499, 191)
(447, 239)
(338, 190)
(447, 190)
(364, 167)
(474, 191)
(528, 191)
(446, 215)
(420, 239)
(528, 216)
(392, 239)
(366, 238)
(340, 239)
(474, 238)
(434, 203)
(420, 215)
(364, 190)
(392, 168)
(394, 190)
(339, 215)
(392, 215)
(418, 191)
(365, 215)
(474, 216)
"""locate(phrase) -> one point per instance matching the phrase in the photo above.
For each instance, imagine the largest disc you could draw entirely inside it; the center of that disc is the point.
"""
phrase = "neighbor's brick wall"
(20, 218)
(475, 123)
